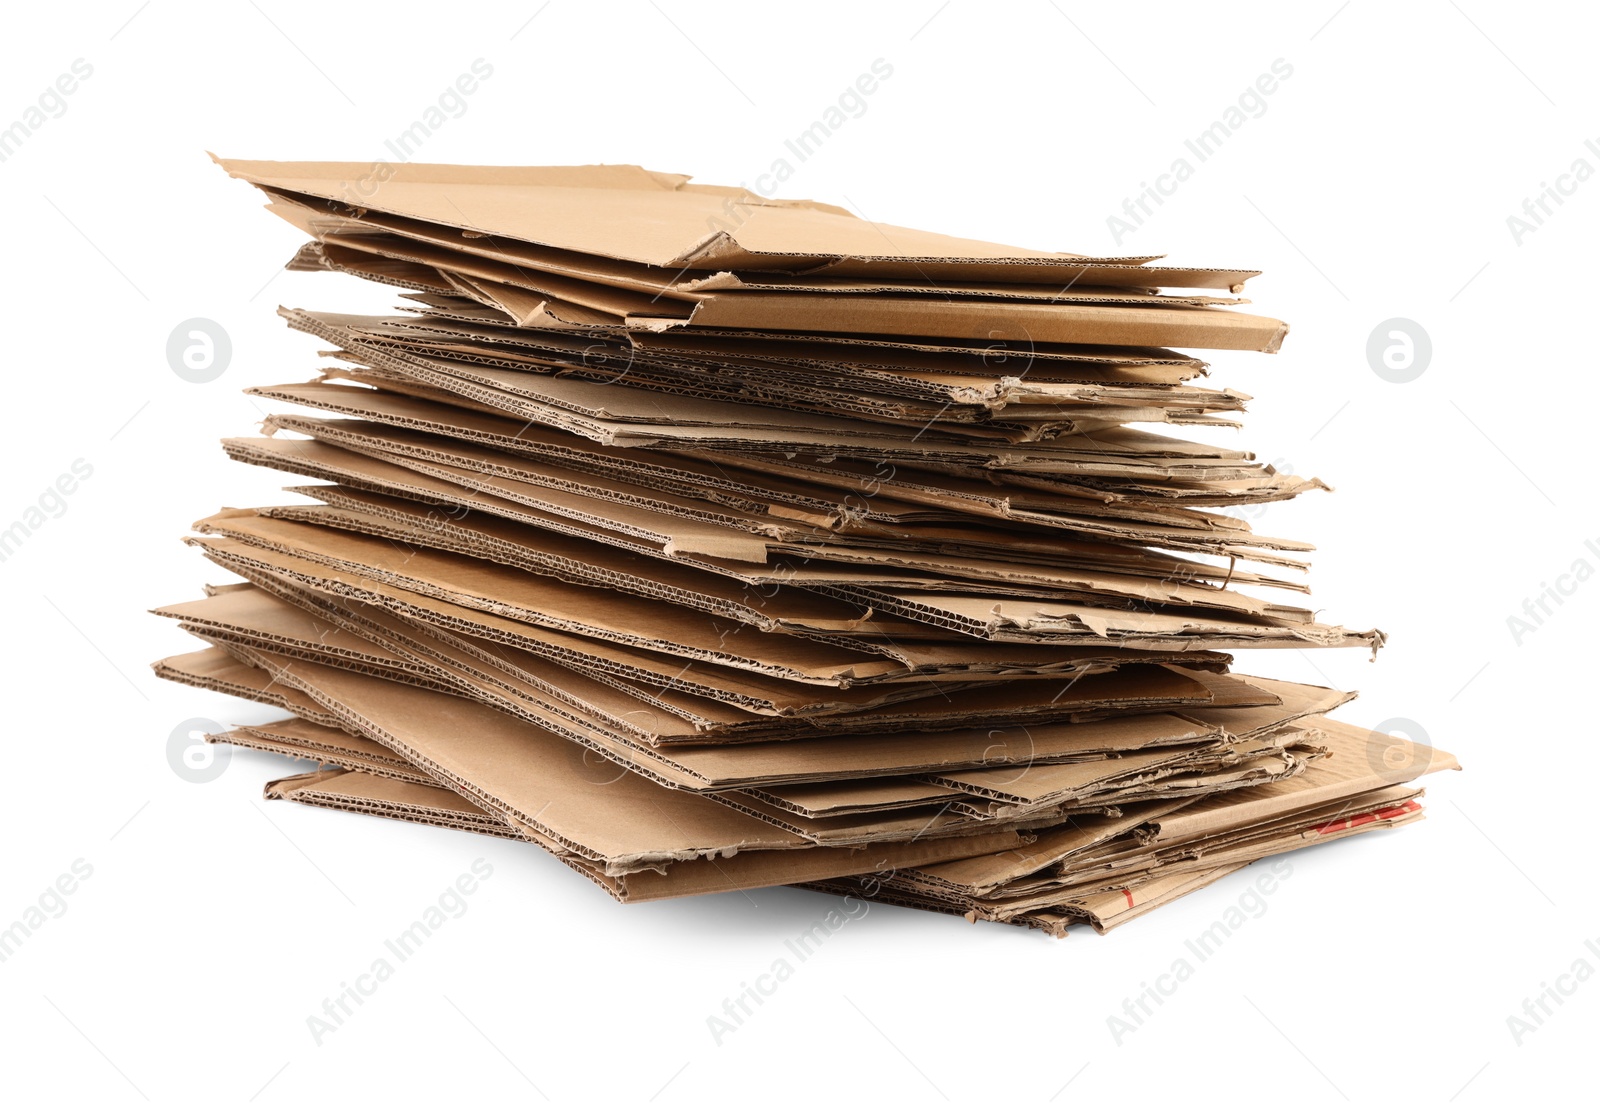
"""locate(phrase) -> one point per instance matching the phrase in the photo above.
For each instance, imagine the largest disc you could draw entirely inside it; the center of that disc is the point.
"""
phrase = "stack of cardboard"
(711, 541)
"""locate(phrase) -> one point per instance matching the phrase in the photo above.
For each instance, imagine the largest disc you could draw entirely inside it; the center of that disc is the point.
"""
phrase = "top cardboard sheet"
(629, 213)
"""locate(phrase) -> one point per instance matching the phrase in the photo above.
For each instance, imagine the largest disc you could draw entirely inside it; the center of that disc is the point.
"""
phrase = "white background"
(1376, 184)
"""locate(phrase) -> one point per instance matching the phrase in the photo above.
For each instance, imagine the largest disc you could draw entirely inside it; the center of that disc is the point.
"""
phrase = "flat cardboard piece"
(628, 213)
(217, 669)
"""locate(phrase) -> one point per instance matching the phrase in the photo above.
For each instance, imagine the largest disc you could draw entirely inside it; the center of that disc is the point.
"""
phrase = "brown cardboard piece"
(661, 220)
